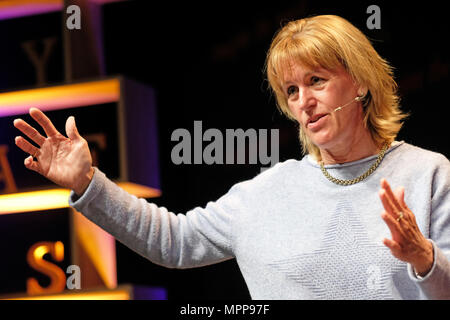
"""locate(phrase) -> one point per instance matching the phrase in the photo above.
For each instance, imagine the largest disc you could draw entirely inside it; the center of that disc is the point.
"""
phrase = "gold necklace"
(343, 182)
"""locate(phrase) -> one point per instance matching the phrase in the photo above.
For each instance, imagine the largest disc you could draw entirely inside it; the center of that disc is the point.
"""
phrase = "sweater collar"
(312, 161)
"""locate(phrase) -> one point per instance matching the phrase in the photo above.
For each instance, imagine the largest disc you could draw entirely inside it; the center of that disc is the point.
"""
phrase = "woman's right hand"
(65, 161)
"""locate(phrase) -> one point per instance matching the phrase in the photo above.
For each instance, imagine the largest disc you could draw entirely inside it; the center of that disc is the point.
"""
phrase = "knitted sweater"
(295, 234)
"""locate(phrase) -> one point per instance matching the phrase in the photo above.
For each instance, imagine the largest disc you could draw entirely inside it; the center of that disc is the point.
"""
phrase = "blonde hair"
(329, 42)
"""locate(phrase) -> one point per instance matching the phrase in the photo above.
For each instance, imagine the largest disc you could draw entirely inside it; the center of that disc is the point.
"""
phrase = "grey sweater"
(294, 234)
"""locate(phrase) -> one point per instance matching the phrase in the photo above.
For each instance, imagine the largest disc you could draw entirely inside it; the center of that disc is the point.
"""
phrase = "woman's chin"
(322, 141)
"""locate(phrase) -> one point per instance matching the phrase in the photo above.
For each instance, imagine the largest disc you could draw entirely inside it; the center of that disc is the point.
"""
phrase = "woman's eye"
(316, 80)
(291, 90)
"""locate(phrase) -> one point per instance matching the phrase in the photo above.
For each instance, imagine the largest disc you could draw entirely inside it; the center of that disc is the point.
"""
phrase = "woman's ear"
(362, 91)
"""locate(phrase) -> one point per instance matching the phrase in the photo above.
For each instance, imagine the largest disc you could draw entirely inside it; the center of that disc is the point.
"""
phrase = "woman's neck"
(361, 146)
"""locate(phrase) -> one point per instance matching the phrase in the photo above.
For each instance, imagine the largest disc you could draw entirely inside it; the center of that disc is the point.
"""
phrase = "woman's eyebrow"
(319, 70)
(291, 79)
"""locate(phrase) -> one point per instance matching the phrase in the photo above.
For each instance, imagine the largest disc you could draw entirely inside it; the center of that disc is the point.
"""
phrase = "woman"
(318, 228)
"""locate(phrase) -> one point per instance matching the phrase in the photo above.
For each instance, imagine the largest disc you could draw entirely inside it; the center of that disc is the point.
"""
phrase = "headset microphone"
(358, 98)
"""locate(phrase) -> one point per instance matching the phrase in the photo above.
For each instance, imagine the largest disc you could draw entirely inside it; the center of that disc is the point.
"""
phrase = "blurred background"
(203, 62)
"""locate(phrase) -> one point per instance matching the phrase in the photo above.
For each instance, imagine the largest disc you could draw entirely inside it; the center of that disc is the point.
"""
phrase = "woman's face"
(314, 94)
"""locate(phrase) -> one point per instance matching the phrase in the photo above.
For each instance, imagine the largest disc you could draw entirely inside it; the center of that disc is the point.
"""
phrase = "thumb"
(71, 129)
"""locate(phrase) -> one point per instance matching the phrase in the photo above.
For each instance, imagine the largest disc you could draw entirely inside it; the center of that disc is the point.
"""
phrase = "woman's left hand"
(408, 243)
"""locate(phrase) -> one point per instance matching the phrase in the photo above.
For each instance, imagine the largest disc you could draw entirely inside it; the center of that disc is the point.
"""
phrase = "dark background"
(206, 63)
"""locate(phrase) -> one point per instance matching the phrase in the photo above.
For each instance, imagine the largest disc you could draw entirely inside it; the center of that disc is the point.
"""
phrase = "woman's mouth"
(317, 121)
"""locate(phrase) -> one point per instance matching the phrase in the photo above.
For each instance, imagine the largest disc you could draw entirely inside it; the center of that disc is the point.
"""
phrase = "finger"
(44, 122)
(393, 245)
(71, 129)
(29, 131)
(32, 165)
(390, 195)
(400, 196)
(387, 204)
(408, 214)
(26, 146)
(393, 225)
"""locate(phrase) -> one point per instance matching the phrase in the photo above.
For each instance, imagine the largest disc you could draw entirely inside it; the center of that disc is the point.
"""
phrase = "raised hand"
(64, 160)
(408, 243)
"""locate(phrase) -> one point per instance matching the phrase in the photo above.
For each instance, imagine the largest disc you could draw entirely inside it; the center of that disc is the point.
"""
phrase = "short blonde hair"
(330, 42)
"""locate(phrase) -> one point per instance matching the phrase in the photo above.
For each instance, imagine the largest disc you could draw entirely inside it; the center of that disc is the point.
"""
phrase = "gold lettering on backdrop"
(6, 176)
(39, 61)
(35, 258)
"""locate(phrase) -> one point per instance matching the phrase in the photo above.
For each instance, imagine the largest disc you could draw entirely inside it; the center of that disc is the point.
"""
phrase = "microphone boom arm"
(358, 98)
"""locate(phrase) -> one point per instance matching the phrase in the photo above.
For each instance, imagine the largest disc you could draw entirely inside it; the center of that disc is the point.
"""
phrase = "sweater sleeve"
(197, 238)
(436, 284)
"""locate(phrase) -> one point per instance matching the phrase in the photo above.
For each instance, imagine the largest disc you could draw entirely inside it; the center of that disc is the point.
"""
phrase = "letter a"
(73, 281)
(184, 146)
(374, 21)
(74, 21)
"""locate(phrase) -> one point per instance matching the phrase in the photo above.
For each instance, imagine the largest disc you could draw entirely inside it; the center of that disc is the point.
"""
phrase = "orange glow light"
(116, 294)
(58, 198)
(34, 201)
(16, 3)
(100, 247)
(60, 97)
(10, 9)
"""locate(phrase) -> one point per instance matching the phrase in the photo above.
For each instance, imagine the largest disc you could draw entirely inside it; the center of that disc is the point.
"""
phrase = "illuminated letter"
(39, 62)
(35, 258)
(5, 171)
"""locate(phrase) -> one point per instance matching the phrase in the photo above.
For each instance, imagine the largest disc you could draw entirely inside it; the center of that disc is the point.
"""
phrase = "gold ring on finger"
(400, 216)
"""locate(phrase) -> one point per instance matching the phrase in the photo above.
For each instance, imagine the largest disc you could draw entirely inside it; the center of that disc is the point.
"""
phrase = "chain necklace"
(361, 177)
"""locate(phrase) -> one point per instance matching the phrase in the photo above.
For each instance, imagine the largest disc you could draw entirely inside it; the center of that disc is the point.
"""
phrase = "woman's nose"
(306, 99)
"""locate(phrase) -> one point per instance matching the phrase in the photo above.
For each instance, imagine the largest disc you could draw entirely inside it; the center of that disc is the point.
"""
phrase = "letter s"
(35, 258)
